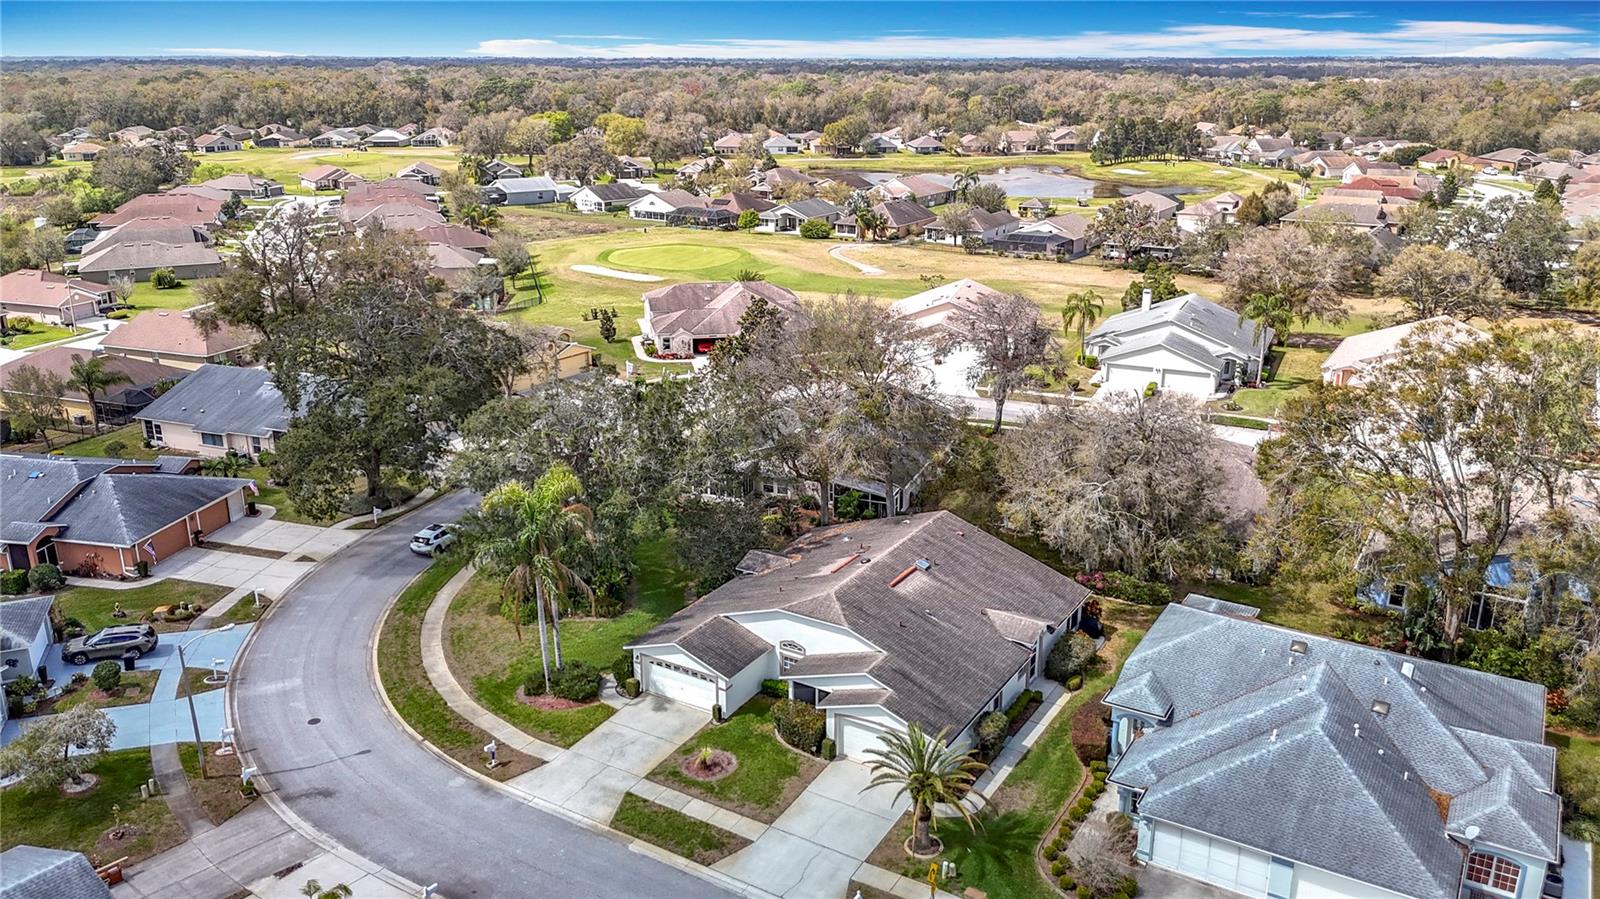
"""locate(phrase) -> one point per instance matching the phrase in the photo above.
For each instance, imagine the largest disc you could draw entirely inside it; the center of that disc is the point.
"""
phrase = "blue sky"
(813, 29)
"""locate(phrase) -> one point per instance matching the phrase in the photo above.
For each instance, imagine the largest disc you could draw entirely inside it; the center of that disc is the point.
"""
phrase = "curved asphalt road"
(362, 780)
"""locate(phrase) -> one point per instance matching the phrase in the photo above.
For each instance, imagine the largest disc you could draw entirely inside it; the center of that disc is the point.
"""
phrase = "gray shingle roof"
(853, 696)
(1167, 340)
(20, 620)
(724, 645)
(1220, 606)
(223, 399)
(833, 663)
(943, 659)
(122, 509)
(1195, 313)
(614, 192)
(31, 872)
(1260, 714)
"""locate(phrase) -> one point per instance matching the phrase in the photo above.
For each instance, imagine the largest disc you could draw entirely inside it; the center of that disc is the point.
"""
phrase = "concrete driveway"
(591, 778)
(287, 537)
(822, 838)
(231, 569)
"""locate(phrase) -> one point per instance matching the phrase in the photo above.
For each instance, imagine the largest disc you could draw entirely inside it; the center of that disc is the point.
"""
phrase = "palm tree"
(480, 217)
(227, 465)
(869, 223)
(90, 377)
(530, 531)
(1083, 309)
(927, 771)
(1269, 311)
(964, 182)
(316, 891)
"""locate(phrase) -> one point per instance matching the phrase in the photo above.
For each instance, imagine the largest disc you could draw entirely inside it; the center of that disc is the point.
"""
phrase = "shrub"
(800, 725)
(1018, 706)
(749, 219)
(142, 567)
(1126, 587)
(1075, 682)
(1099, 767)
(777, 689)
(810, 503)
(23, 687)
(107, 676)
(1084, 892)
(1069, 656)
(1056, 869)
(79, 679)
(829, 750)
(816, 229)
(164, 279)
(1150, 389)
(45, 576)
(622, 668)
(631, 687)
(13, 582)
(1091, 734)
(115, 448)
(1052, 852)
(992, 729)
(1067, 883)
(576, 682)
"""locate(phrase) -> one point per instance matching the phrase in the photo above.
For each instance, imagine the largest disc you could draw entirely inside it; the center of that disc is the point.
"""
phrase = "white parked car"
(432, 540)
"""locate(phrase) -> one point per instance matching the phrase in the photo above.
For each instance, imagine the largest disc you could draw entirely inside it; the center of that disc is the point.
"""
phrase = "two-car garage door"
(1220, 862)
(679, 683)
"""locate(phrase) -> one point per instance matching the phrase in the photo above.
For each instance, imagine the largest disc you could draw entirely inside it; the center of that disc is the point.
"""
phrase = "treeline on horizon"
(1475, 107)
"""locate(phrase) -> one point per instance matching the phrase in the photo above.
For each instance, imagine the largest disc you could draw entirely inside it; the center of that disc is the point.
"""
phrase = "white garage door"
(1225, 864)
(681, 684)
(1201, 385)
(1311, 883)
(852, 738)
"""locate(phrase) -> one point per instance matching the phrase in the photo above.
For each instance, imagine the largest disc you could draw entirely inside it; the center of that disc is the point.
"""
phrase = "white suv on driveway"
(432, 540)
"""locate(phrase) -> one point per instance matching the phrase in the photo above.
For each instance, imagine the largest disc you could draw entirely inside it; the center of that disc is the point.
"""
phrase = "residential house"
(1360, 168)
(409, 129)
(104, 516)
(729, 144)
(809, 141)
(234, 132)
(1269, 151)
(981, 225)
(74, 134)
(901, 219)
(171, 337)
(111, 406)
(201, 211)
(1065, 235)
(454, 265)
(559, 358)
(661, 206)
(1403, 187)
(925, 145)
(1018, 141)
(51, 298)
(932, 310)
(1440, 159)
(390, 215)
(1206, 130)
(424, 172)
(388, 137)
(81, 151)
(1034, 208)
(776, 181)
(1552, 171)
(1225, 730)
(1360, 213)
(1227, 147)
(158, 228)
(281, 137)
(923, 619)
(29, 872)
(604, 197)
(132, 134)
(325, 177)
(214, 194)
(781, 145)
(455, 236)
(852, 180)
(739, 202)
(434, 137)
(1162, 205)
(1512, 159)
(689, 319)
(1187, 345)
(404, 190)
(495, 169)
(635, 167)
(521, 191)
(877, 144)
(1064, 139)
(1325, 164)
(338, 137)
(786, 218)
(138, 259)
(925, 190)
(216, 143)
(1358, 358)
(975, 144)
(1221, 209)
(245, 186)
(692, 170)
(26, 632)
(217, 410)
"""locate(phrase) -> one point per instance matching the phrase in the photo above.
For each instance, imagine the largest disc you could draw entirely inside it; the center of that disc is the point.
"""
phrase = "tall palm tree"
(927, 771)
(1083, 309)
(529, 533)
(964, 182)
(88, 375)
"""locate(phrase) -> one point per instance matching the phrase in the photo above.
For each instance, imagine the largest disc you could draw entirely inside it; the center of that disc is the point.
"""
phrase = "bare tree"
(1009, 339)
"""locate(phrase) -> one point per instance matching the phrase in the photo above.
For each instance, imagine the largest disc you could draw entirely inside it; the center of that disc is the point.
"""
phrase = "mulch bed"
(721, 764)
(91, 782)
(1021, 721)
(550, 703)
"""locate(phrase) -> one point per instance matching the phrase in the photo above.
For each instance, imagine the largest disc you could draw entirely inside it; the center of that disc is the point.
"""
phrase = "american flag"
(151, 549)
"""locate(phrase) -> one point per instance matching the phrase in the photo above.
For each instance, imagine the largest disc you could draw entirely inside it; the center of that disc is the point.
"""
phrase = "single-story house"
(922, 619)
(81, 151)
(924, 189)
(495, 169)
(852, 180)
(1513, 159)
(1059, 235)
(1345, 212)
(689, 319)
(1034, 208)
(52, 298)
(189, 208)
(453, 264)
(281, 137)
(29, 872)
(104, 516)
(1221, 209)
(216, 143)
(137, 259)
(390, 215)
(876, 144)
(1019, 141)
(1359, 167)
(1440, 159)
(246, 186)
(26, 632)
(781, 145)
(171, 337)
(786, 218)
(738, 202)
(216, 410)
(1358, 356)
(234, 131)
(1162, 205)
(113, 405)
(338, 137)
(1064, 139)
(1552, 171)
(324, 177)
(424, 172)
(808, 139)
(521, 191)
(662, 206)
(775, 180)
(925, 145)
(982, 224)
(604, 197)
(975, 143)
(132, 134)
(1187, 345)
(932, 309)
(560, 358)
(635, 167)
(901, 218)
(1424, 779)
(729, 144)
(434, 137)
(455, 235)
(388, 137)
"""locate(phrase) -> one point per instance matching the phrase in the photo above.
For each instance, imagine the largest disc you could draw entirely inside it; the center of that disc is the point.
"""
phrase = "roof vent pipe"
(1144, 300)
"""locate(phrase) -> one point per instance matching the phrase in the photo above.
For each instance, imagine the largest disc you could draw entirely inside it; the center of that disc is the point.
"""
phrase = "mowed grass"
(44, 816)
(145, 296)
(10, 173)
(674, 257)
(93, 605)
(130, 436)
(769, 774)
(1297, 368)
(284, 165)
(674, 831)
(489, 660)
(38, 334)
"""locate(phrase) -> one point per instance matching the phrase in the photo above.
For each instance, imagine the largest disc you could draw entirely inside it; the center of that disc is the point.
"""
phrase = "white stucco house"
(920, 619)
(931, 313)
(25, 634)
(1358, 356)
(1187, 344)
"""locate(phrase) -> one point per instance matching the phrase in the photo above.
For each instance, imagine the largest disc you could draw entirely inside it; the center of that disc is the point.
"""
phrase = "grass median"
(674, 831)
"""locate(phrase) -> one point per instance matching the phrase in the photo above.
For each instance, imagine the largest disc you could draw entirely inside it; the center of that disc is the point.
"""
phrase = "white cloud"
(224, 51)
(1411, 38)
(603, 37)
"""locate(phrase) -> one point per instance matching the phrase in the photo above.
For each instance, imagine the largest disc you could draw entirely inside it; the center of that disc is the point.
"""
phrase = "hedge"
(1126, 587)
(800, 725)
(1091, 735)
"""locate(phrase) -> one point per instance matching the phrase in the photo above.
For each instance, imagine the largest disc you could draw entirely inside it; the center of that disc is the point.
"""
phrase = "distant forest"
(1475, 107)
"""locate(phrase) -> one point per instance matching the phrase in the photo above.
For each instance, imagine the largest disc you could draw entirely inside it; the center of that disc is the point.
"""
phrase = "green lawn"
(130, 436)
(1296, 369)
(38, 333)
(145, 296)
(10, 173)
(998, 857)
(674, 831)
(769, 775)
(675, 257)
(412, 694)
(486, 655)
(284, 165)
(93, 605)
(278, 498)
(44, 816)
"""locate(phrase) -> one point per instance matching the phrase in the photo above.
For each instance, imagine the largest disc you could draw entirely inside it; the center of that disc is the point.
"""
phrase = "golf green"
(674, 257)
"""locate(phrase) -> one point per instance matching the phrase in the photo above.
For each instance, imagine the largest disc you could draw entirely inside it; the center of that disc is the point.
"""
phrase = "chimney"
(1144, 301)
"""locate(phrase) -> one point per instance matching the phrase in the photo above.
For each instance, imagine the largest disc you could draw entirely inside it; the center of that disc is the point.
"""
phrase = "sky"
(810, 29)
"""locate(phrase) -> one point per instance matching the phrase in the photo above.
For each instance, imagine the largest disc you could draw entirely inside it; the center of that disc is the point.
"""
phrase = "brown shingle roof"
(176, 333)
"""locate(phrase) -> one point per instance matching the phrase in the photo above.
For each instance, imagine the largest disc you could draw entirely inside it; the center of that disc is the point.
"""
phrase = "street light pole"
(183, 678)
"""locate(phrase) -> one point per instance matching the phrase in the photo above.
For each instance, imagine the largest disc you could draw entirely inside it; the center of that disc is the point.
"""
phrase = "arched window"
(1493, 872)
(790, 652)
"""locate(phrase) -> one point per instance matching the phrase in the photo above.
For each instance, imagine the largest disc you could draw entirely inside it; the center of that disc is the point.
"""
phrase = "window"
(1493, 872)
(1397, 597)
(152, 431)
(789, 652)
(255, 446)
(210, 439)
